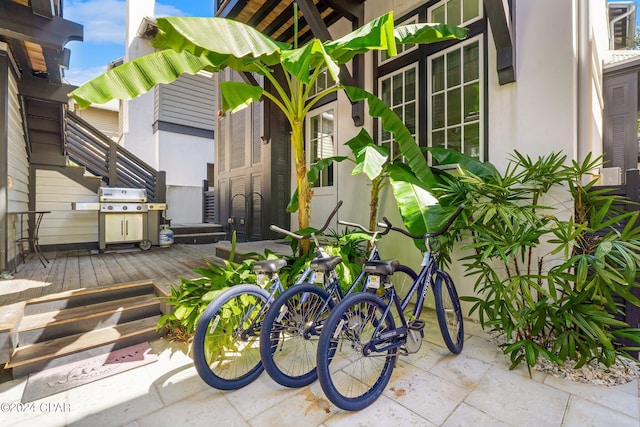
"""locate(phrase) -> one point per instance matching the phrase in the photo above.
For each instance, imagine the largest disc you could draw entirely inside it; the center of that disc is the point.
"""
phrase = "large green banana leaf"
(392, 123)
(415, 201)
(139, 76)
(189, 45)
(370, 157)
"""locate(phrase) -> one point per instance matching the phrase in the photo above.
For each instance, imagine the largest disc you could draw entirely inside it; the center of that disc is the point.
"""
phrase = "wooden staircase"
(57, 329)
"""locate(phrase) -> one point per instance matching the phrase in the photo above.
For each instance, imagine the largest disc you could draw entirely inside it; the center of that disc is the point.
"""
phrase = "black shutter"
(621, 121)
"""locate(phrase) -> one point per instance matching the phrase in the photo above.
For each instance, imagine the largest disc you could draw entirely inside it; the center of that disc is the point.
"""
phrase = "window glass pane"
(437, 68)
(321, 145)
(410, 117)
(438, 139)
(438, 15)
(453, 107)
(397, 89)
(454, 12)
(437, 111)
(453, 68)
(454, 140)
(472, 140)
(471, 102)
(470, 10)
(471, 64)
(410, 85)
(399, 111)
(385, 91)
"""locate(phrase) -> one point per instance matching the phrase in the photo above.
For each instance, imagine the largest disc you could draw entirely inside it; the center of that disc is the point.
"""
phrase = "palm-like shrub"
(553, 256)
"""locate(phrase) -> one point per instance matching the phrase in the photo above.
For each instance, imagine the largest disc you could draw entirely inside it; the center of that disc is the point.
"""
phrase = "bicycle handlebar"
(426, 235)
(302, 237)
(386, 227)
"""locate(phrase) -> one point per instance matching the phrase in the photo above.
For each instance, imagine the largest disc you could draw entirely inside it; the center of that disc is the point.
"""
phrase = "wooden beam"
(42, 8)
(18, 22)
(52, 59)
(350, 9)
(38, 88)
(501, 27)
(231, 8)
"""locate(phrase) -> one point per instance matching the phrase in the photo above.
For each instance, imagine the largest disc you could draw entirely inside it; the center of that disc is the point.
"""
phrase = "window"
(320, 137)
(323, 82)
(455, 12)
(399, 90)
(455, 99)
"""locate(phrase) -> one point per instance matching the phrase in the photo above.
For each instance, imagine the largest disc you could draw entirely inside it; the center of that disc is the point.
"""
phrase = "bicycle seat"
(269, 265)
(385, 268)
(325, 264)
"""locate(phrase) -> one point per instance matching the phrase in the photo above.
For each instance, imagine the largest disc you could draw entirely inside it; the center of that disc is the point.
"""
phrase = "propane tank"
(166, 236)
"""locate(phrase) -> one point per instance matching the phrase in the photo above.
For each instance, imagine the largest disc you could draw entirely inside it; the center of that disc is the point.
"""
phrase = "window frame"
(482, 93)
(307, 141)
(389, 76)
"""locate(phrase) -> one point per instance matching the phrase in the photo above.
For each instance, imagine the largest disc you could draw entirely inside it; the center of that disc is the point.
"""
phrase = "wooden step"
(85, 296)
(199, 238)
(57, 352)
(57, 323)
(10, 317)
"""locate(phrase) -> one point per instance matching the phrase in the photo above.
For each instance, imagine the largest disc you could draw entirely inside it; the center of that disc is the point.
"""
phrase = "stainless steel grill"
(124, 216)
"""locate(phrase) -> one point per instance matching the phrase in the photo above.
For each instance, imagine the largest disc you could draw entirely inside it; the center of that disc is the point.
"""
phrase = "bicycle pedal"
(417, 325)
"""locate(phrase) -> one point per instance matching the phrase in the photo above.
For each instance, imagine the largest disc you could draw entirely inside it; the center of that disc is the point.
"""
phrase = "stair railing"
(118, 167)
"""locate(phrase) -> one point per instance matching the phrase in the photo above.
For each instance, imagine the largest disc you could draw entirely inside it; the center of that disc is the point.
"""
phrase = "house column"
(4, 163)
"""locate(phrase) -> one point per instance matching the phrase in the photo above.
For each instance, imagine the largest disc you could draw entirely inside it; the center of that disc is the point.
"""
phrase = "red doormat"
(61, 378)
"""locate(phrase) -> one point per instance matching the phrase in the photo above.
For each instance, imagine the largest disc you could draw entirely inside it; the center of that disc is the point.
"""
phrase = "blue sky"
(104, 31)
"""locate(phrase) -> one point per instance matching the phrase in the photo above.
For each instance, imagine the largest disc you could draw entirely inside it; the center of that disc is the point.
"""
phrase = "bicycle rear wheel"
(226, 344)
(448, 311)
(290, 333)
(351, 375)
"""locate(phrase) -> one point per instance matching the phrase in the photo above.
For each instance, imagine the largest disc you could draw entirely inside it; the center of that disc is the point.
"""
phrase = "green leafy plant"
(190, 45)
(190, 297)
(549, 274)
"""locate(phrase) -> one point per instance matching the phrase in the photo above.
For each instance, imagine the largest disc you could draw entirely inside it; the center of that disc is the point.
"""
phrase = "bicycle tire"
(289, 338)
(216, 365)
(350, 379)
(448, 311)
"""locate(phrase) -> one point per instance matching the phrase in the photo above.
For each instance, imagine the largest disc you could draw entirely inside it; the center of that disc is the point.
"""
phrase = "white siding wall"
(55, 193)
(18, 165)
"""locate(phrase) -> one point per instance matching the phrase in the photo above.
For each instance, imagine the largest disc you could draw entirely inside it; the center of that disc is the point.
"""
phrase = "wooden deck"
(70, 270)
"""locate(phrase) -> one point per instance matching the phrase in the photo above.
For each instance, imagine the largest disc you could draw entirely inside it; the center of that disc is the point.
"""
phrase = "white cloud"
(166, 10)
(103, 20)
(79, 76)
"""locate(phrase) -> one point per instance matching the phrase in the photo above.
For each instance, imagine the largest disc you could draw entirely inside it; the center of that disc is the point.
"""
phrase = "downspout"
(4, 165)
(612, 23)
(583, 96)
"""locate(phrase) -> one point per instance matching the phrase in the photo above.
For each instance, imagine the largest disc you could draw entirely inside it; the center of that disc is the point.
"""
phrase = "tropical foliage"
(190, 45)
(553, 257)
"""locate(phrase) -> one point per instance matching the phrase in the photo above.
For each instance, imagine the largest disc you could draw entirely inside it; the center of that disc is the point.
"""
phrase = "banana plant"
(190, 45)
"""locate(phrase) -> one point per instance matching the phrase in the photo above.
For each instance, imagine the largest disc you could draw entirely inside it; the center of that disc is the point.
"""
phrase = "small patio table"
(31, 239)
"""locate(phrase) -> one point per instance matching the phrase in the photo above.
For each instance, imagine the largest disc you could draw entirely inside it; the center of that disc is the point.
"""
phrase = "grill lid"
(113, 194)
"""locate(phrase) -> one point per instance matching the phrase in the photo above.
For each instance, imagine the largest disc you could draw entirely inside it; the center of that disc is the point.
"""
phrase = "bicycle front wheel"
(226, 346)
(290, 333)
(351, 371)
(448, 311)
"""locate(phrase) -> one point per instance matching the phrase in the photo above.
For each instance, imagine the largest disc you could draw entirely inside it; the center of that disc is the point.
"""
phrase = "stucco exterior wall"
(555, 105)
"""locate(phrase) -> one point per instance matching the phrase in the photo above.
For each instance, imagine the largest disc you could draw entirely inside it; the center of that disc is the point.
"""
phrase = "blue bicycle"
(226, 342)
(292, 326)
(360, 340)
